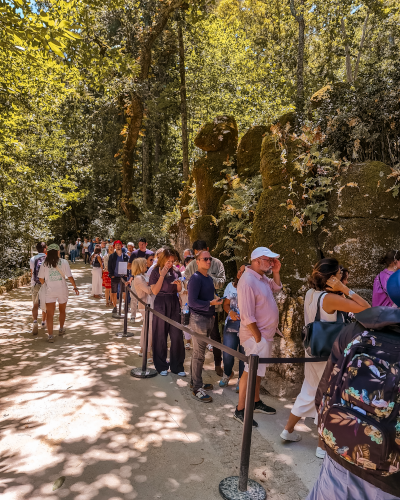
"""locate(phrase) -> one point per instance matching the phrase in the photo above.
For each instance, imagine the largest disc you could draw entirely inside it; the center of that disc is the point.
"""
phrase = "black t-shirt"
(136, 254)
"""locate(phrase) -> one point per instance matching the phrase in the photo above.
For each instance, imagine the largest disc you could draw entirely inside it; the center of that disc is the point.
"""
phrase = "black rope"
(222, 347)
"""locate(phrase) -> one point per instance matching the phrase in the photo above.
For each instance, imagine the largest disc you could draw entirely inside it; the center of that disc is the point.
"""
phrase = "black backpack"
(359, 413)
(38, 262)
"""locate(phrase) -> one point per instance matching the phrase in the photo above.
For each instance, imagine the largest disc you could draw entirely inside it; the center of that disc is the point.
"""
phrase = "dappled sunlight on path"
(71, 409)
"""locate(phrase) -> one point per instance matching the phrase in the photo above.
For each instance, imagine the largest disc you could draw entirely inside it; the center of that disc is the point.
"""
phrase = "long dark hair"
(389, 258)
(322, 271)
(52, 258)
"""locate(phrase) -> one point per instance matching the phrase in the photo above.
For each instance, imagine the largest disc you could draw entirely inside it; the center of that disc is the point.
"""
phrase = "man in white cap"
(259, 320)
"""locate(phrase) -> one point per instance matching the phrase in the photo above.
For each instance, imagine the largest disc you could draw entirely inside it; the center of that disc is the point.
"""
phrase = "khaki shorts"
(35, 293)
(263, 349)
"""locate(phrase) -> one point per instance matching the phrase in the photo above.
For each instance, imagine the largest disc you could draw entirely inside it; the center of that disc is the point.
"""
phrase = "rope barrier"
(234, 487)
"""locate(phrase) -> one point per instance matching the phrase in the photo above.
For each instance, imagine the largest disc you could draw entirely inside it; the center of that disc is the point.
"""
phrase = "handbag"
(318, 337)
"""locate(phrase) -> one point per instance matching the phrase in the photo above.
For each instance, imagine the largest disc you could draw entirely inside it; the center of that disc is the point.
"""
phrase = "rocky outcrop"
(362, 223)
(248, 152)
(219, 140)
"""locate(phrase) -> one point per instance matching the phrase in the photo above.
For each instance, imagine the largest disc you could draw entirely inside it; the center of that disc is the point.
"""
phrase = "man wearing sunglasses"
(217, 272)
(259, 320)
(202, 304)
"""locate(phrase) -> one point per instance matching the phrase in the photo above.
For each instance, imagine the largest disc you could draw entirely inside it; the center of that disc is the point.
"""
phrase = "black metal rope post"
(121, 288)
(243, 488)
(145, 372)
(248, 423)
(118, 314)
(125, 315)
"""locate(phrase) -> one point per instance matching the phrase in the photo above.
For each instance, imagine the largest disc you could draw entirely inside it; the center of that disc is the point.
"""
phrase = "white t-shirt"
(86, 246)
(56, 284)
(32, 265)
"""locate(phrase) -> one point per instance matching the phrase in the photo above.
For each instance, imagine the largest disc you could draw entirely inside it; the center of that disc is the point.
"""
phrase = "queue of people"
(162, 280)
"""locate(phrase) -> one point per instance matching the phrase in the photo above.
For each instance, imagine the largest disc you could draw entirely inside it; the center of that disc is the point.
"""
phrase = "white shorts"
(263, 349)
(61, 298)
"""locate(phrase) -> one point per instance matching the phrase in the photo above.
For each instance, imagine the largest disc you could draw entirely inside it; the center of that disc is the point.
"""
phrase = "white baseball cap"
(263, 252)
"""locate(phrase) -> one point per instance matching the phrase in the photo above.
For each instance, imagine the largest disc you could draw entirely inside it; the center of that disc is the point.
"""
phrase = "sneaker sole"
(290, 440)
(201, 400)
(237, 419)
(265, 412)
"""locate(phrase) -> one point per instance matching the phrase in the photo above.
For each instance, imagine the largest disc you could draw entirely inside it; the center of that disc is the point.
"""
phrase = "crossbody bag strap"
(60, 271)
(384, 291)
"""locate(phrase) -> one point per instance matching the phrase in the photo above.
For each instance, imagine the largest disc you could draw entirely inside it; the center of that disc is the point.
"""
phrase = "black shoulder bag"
(319, 336)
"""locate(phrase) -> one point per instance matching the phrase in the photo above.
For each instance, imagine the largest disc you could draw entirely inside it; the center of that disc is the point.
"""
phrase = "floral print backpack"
(359, 413)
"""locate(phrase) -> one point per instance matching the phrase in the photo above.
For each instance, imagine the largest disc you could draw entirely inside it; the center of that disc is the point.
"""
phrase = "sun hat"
(53, 246)
(263, 252)
(117, 241)
(393, 288)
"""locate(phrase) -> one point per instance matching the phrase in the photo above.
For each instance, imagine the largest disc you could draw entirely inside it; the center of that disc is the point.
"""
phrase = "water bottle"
(185, 315)
(233, 303)
(182, 278)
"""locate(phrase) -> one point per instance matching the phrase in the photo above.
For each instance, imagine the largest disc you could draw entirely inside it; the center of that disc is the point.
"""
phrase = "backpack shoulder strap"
(60, 271)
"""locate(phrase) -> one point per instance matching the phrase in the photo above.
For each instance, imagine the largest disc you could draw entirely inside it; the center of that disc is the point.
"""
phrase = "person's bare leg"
(242, 391)
(50, 307)
(257, 391)
(35, 310)
(292, 421)
(62, 308)
(114, 299)
(43, 317)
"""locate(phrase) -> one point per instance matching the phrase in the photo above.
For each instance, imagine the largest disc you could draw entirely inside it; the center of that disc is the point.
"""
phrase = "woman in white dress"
(325, 280)
(97, 272)
(53, 274)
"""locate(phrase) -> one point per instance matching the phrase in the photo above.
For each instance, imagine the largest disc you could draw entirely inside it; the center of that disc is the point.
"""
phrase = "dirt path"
(70, 409)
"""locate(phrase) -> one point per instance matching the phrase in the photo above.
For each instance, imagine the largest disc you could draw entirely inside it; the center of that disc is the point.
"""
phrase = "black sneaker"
(114, 311)
(239, 416)
(260, 407)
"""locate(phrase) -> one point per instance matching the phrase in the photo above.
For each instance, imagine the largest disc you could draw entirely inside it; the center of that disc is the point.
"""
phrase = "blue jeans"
(231, 339)
(73, 255)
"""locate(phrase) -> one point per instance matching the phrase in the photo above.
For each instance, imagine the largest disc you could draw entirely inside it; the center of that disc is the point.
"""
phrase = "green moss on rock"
(367, 194)
(220, 134)
(249, 151)
(298, 252)
(205, 229)
(206, 172)
(358, 243)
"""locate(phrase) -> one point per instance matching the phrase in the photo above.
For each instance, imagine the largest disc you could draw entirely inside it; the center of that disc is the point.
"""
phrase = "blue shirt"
(201, 293)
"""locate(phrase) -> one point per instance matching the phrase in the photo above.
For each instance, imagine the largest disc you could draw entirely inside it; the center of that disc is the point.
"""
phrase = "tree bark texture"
(184, 119)
(364, 31)
(157, 149)
(146, 170)
(135, 110)
(349, 73)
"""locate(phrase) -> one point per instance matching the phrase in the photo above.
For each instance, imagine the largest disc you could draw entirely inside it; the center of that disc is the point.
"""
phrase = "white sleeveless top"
(310, 307)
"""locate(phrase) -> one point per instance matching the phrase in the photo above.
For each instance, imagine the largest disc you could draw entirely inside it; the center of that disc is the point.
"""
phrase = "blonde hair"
(139, 266)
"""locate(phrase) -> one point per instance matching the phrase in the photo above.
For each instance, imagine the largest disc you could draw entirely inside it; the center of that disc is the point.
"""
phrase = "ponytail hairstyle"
(389, 258)
(323, 270)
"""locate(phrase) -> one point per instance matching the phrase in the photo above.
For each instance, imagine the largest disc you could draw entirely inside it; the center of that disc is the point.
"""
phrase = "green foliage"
(237, 213)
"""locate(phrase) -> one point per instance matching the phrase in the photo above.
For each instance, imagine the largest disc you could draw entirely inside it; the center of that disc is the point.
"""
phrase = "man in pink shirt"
(259, 320)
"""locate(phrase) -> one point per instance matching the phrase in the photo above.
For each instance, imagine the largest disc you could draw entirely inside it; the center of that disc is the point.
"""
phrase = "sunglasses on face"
(206, 259)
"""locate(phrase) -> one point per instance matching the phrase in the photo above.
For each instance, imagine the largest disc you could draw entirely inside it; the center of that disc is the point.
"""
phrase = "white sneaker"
(320, 453)
(290, 436)
(62, 331)
(51, 338)
(210, 347)
(43, 324)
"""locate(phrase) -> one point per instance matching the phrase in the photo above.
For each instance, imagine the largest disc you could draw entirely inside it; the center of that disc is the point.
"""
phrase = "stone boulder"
(218, 135)
(362, 223)
(249, 150)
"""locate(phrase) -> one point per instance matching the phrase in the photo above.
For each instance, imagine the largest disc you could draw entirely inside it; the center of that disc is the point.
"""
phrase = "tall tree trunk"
(182, 71)
(300, 61)
(157, 149)
(349, 73)
(134, 112)
(364, 31)
(146, 170)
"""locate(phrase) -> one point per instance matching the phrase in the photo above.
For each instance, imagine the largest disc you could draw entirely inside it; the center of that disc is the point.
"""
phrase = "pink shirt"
(257, 304)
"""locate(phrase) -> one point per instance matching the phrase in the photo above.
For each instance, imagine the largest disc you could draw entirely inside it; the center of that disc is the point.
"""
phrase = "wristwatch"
(351, 293)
